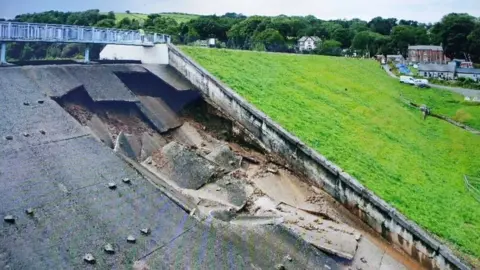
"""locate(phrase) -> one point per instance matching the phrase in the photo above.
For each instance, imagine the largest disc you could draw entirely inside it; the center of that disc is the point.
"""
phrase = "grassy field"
(350, 111)
(141, 17)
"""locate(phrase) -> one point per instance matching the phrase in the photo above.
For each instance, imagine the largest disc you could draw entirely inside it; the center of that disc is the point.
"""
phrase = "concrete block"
(157, 54)
(225, 157)
(184, 166)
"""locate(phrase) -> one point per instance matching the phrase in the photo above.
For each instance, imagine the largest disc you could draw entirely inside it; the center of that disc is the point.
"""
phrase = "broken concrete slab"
(158, 113)
(368, 256)
(326, 235)
(128, 145)
(184, 166)
(150, 144)
(170, 76)
(335, 243)
(187, 134)
(225, 157)
(100, 83)
(329, 236)
(283, 187)
(100, 130)
(228, 191)
(257, 220)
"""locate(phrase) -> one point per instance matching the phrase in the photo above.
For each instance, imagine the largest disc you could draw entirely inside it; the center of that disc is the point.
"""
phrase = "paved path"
(462, 91)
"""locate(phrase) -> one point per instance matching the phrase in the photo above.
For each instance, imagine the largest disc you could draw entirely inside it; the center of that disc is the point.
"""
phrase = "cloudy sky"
(420, 10)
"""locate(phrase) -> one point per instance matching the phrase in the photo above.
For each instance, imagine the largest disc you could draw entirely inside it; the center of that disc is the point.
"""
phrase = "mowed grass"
(350, 111)
(180, 18)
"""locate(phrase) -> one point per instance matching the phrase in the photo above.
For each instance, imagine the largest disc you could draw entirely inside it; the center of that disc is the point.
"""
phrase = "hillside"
(179, 17)
(351, 111)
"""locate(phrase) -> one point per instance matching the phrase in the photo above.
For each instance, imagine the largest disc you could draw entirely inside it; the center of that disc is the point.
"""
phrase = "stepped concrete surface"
(66, 198)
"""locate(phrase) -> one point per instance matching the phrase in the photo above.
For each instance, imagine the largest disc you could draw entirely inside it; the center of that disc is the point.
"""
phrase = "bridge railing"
(35, 32)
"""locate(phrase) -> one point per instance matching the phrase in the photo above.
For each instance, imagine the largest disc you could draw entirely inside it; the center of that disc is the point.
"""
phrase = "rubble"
(89, 258)
(109, 249)
(131, 239)
(224, 157)
(145, 231)
(184, 166)
(9, 219)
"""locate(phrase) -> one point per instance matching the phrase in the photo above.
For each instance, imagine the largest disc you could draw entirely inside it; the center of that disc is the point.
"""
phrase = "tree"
(161, 24)
(453, 31)
(240, 34)
(127, 11)
(330, 27)
(358, 25)
(344, 36)
(213, 26)
(330, 47)
(408, 22)
(111, 15)
(381, 25)
(474, 43)
(370, 42)
(124, 23)
(270, 39)
(106, 23)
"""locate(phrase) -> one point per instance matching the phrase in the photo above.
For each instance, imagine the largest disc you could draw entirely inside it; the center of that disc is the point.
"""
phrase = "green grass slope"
(179, 17)
(350, 111)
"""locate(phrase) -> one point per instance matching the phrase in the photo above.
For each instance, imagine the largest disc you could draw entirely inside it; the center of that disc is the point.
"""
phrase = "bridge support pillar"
(3, 53)
(87, 54)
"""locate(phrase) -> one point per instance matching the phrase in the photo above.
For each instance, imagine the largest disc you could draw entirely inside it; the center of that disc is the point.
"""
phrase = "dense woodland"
(459, 34)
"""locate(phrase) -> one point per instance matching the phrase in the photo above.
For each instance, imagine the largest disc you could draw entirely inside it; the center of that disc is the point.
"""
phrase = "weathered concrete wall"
(157, 54)
(383, 218)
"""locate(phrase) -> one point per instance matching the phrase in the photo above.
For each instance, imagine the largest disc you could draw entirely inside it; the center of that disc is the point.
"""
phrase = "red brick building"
(426, 54)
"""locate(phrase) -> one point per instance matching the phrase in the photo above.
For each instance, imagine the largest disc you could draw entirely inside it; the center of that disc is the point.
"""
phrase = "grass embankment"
(179, 17)
(350, 111)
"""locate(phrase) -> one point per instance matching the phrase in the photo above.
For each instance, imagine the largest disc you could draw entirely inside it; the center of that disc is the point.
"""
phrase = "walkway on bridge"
(56, 33)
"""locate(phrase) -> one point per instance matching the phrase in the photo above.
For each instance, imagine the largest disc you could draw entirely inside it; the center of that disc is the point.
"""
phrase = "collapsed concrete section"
(205, 157)
(290, 151)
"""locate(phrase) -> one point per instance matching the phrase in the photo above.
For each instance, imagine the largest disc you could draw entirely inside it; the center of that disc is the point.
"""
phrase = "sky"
(419, 10)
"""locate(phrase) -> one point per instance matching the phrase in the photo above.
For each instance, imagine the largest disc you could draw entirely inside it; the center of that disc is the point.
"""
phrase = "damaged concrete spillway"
(121, 166)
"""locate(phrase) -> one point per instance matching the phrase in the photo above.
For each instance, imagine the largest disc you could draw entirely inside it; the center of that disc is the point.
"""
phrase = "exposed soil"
(117, 115)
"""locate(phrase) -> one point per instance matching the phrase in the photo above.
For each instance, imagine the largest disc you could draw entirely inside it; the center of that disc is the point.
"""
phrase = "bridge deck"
(34, 32)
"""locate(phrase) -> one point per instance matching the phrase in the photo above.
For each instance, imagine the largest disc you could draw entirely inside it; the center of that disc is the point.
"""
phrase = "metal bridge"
(55, 33)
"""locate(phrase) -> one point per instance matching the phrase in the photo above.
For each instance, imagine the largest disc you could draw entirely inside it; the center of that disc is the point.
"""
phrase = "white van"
(422, 83)
(407, 80)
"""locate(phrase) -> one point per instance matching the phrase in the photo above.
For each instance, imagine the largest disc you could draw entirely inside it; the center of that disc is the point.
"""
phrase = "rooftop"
(426, 47)
(468, 70)
(436, 68)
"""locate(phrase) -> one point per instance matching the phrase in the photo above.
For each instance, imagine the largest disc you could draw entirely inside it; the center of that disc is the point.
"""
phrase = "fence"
(473, 186)
(34, 32)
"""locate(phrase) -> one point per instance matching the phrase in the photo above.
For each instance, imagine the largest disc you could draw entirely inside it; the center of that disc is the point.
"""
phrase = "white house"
(308, 43)
(472, 73)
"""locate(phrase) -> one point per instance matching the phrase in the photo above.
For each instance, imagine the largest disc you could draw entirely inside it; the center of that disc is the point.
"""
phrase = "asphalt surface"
(54, 166)
(462, 91)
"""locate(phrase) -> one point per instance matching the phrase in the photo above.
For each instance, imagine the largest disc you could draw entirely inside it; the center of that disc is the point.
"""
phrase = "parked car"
(422, 83)
(407, 79)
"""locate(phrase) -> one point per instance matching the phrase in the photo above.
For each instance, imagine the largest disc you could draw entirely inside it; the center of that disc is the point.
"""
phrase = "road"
(462, 91)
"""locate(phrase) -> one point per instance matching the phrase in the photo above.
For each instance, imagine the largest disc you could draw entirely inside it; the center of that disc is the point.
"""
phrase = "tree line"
(459, 34)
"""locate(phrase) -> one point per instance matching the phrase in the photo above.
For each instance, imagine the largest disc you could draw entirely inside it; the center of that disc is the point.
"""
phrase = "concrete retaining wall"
(383, 218)
(157, 54)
